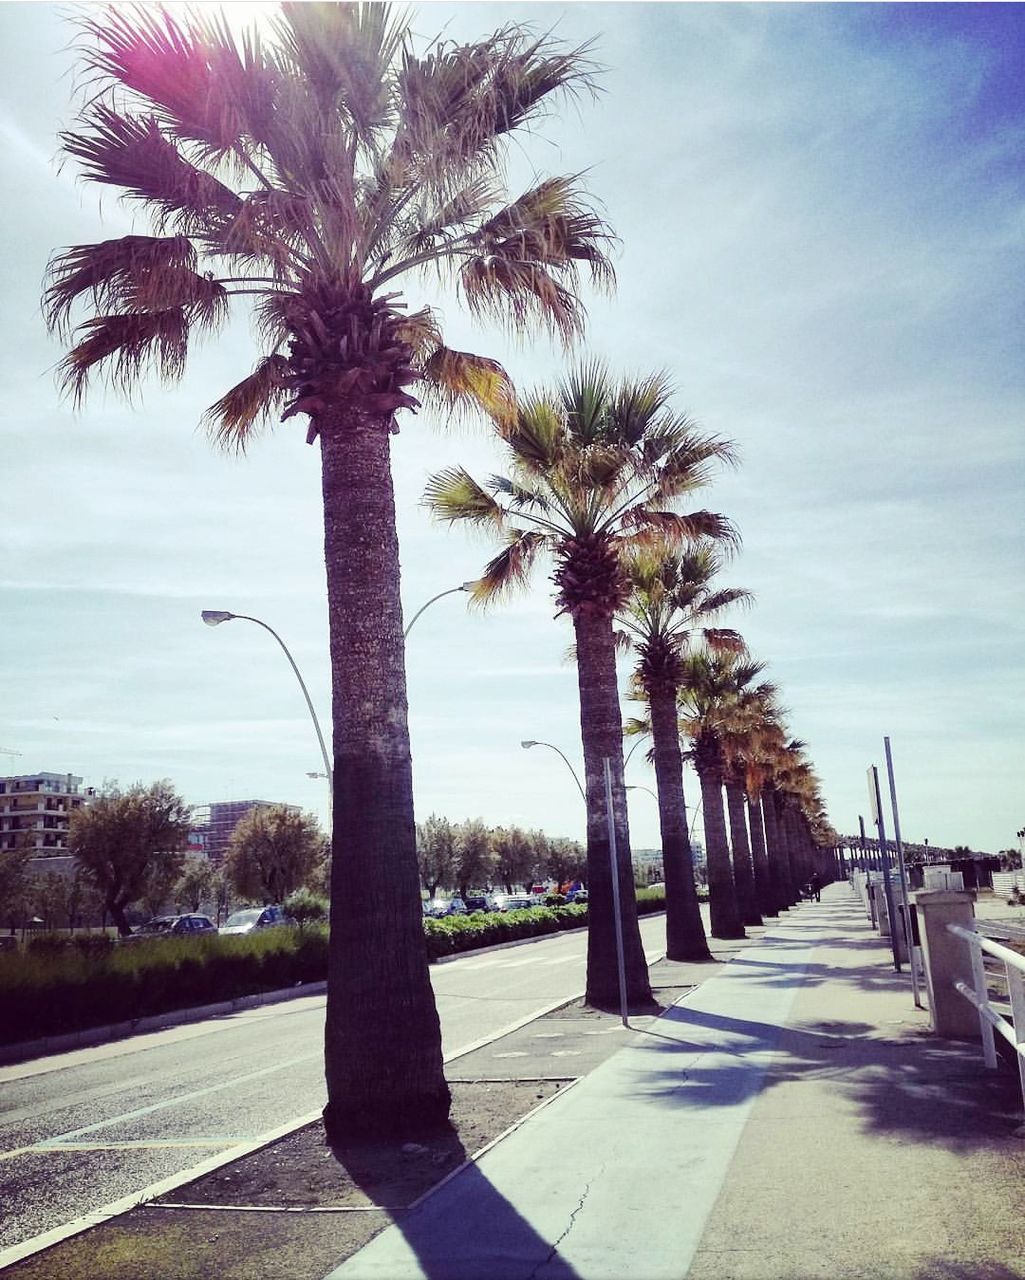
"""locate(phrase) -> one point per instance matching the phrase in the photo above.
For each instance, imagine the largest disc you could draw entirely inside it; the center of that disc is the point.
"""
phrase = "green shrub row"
(60, 984)
(50, 991)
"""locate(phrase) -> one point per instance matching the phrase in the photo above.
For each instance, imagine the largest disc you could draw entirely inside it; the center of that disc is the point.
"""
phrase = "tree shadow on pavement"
(922, 1088)
(462, 1229)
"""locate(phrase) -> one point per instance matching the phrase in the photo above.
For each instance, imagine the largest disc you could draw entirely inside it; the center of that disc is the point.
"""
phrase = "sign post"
(902, 868)
(617, 912)
(876, 807)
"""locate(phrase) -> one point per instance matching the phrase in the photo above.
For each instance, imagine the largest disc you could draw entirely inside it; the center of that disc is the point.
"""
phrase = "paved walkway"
(792, 1118)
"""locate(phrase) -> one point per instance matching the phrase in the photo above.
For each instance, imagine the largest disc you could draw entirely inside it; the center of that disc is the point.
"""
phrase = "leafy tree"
(514, 856)
(436, 853)
(13, 884)
(128, 842)
(673, 599)
(272, 852)
(565, 859)
(306, 907)
(596, 468)
(311, 178)
(196, 884)
(475, 855)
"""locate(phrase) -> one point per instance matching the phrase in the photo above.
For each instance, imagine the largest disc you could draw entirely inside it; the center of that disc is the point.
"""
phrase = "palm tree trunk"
(786, 860)
(722, 896)
(777, 862)
(383, 1039)
(765, 895)
(743, 868)
(601, 732)
(685, 930)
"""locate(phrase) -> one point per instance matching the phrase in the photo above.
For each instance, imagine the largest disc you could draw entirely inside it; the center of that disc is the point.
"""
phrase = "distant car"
(658, 884)
(480, 902)
(438, 907)
(173, 927)
(578, 896)
(251, 918)
(514, 902)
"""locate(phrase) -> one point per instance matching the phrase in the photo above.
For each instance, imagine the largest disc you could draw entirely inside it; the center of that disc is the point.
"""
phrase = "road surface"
(81, 1130)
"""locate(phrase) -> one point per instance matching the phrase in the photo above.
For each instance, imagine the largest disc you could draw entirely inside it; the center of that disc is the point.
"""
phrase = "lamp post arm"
(583, 794)
(306, 695)
(449, 592)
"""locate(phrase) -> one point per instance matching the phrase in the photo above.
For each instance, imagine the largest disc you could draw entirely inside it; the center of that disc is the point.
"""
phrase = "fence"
(987, 981)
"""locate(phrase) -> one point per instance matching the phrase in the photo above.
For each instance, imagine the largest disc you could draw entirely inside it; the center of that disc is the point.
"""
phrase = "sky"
(821, 218)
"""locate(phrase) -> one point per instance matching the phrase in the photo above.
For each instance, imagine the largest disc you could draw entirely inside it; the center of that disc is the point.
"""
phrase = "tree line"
(467, 855)
(130, 853)
(312, 177)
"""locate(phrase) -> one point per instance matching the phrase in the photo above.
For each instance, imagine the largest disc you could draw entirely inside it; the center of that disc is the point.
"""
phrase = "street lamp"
(214, 618)
(530, 742)
(465, 586)
(647, 789)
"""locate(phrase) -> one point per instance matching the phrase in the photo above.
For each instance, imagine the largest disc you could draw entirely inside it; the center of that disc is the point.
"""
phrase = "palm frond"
(638, 405)
(516, 293)
(585, 393)
(511, 567)
(130, 152)
(240, 412)
(453, 495)
(116, 273)
(536, 435)
(346, 52)
(206, 90)
(724, 640)
(675, 528)
(128, 345)
(457, 381)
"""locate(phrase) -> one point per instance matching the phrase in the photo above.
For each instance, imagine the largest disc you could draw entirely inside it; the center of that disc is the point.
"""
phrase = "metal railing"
(991, 1013)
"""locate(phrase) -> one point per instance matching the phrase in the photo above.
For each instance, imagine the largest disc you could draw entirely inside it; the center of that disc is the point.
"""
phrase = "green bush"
(453, 934)
(51, 990)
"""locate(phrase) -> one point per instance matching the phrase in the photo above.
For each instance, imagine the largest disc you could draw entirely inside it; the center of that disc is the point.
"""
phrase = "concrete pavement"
(791, 1118)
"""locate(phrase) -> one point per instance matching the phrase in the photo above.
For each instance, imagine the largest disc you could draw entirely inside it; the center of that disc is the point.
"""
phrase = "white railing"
(990, 1016)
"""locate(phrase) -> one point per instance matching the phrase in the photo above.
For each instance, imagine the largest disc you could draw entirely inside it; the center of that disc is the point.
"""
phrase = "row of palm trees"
(598, 470)
(310, 174)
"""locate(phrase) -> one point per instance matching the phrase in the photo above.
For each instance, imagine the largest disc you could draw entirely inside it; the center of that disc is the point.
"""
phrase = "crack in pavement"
(569, 1227)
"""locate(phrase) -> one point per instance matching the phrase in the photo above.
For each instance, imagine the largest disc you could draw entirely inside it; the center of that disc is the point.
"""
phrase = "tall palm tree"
(713, 695)
(596, 469)
(311, 177)
(672, 595)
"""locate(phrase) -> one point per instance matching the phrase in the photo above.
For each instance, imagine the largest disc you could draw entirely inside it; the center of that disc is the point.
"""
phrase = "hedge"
(60, 984)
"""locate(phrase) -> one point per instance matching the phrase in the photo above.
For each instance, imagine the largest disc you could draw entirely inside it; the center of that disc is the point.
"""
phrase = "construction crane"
(9, 751)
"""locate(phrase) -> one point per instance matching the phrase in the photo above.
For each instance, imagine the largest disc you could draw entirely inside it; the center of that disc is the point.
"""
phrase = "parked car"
(514, 901)
(480, 902)
(172, 927)
(250, 918)
(438, 907)
(579, 896)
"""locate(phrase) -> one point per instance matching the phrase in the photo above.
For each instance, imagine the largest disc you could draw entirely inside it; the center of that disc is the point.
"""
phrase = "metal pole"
(877, 814)
(902, 868)
(614, 865)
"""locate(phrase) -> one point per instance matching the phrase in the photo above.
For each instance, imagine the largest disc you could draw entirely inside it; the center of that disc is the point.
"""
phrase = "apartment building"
(215, 822)
(35, 809)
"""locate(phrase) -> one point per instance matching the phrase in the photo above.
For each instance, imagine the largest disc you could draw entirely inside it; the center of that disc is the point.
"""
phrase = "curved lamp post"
(530, 742)
(647, 789)
(214, 618)
(465, 586)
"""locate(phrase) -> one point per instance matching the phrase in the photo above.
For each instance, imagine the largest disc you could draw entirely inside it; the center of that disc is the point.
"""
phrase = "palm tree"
(671, 596)
(310, 177)
(596, 468)
(714, 693)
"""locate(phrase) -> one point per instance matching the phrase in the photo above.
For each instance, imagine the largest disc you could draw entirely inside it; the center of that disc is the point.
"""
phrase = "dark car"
(173, 927)
(480, 902)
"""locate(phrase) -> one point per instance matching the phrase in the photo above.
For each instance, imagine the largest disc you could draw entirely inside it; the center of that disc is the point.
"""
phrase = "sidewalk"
(791, 1118)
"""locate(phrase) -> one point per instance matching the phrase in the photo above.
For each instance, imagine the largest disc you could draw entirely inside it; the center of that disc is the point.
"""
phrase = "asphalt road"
(81, 1130)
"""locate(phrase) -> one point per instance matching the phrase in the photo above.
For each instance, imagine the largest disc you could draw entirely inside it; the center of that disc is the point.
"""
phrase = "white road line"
(174, 1102)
